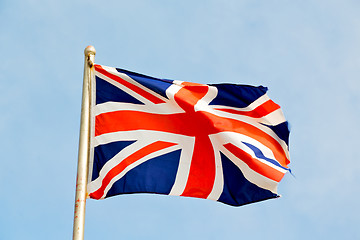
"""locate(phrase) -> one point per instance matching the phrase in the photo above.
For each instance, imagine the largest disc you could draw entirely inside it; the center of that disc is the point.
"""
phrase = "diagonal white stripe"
(132, 81)
(123, 88)
(118, 158)
(250, 174)
(185, 143)
(254, 123)
(236, 139)
(274, 118)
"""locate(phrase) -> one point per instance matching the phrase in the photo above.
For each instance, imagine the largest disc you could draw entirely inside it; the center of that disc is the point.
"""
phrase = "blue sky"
(306, 52)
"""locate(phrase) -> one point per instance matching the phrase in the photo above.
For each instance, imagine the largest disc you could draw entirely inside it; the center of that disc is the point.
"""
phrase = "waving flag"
(224, 142)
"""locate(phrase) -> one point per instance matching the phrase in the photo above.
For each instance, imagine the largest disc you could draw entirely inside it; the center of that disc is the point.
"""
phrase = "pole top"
(89, 50)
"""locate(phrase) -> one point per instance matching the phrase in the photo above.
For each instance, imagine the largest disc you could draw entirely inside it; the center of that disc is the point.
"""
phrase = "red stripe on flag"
(227, 124)
(190, 124)
(156, 146)
(152, 98)
(188, 96)
(260, 111)
(254, 163)
(132, 120)
(202, 170)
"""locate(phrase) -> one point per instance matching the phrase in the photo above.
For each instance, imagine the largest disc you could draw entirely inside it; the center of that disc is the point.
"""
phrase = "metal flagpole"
(84, 146)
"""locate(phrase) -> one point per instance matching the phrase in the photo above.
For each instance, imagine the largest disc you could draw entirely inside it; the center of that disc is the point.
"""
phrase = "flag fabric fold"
(223, 142)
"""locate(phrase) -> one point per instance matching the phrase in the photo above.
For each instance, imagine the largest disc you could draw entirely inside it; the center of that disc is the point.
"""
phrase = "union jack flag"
(223, 142)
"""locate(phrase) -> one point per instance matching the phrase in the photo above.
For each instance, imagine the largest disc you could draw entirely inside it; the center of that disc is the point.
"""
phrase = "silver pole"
(84, 146)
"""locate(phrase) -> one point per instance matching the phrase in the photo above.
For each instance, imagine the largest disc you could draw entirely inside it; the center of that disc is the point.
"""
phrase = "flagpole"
(84, 146)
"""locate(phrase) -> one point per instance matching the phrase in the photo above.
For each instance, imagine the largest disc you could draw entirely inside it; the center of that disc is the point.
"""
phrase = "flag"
(223, 142)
